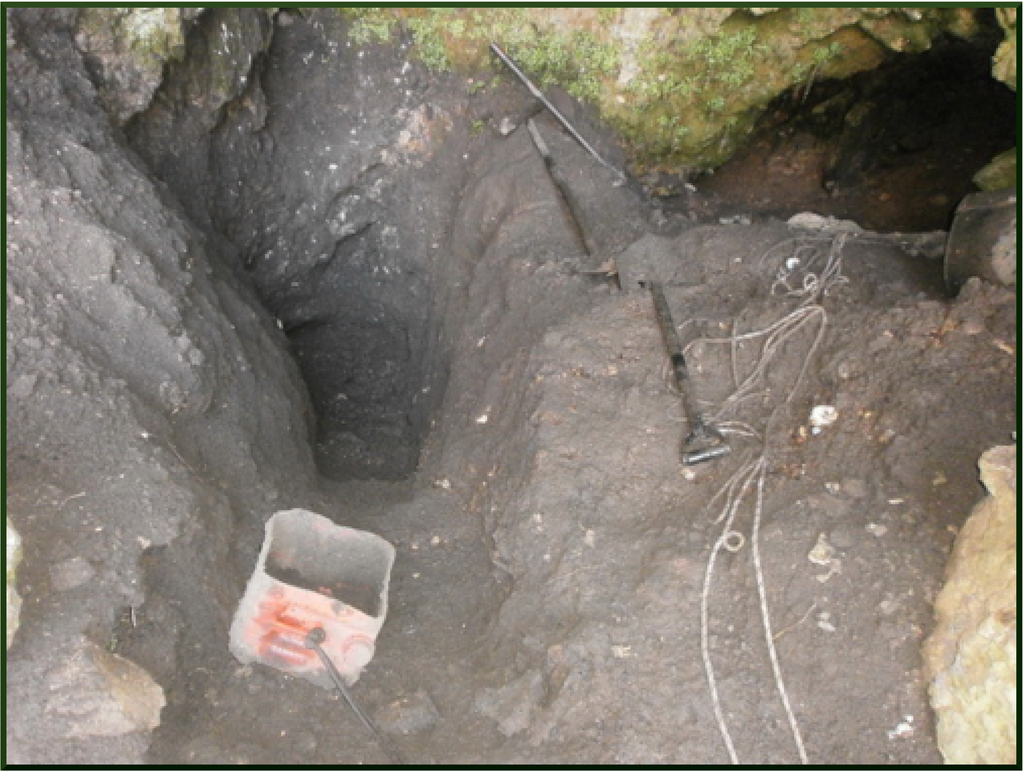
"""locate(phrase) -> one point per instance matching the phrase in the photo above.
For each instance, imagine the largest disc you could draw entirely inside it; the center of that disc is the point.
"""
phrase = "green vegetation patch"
(448, 39)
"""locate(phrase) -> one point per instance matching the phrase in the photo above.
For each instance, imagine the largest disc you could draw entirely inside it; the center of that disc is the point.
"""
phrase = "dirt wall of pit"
(154, 419)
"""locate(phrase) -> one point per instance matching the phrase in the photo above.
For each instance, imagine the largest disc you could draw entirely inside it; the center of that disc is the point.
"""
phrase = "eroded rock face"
(126, 49)
(1004, 63)
(153, 418)
(972, 654)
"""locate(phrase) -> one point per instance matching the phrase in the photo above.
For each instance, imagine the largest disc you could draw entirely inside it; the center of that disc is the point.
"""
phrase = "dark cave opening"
(894, 149)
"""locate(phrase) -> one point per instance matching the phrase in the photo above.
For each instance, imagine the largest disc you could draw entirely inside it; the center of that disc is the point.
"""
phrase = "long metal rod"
(316, 636)
(574, 212)
(704, 442)
(551, 108)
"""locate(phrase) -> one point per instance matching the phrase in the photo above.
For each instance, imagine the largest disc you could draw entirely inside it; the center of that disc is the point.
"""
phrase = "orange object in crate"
(313, 573)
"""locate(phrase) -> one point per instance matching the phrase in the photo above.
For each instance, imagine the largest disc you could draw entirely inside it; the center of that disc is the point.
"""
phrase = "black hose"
(316, 636)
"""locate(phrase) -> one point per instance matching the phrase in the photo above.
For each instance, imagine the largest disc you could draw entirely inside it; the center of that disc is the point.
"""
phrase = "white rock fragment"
(903, 729)
(823, 416)
(811, 221)
(823, 552)
(13, 599)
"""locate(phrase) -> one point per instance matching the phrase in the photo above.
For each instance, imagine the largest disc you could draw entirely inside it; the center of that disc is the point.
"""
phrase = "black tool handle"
(675, 353)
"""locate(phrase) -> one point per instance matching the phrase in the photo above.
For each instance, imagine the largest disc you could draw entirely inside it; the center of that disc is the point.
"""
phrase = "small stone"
(70, 574)
(823, 416)
(409, 715)
(888, 607)
(507, 126)
(855, 488)
(822, 553)
(623, 651)
(102, 694)
(973, 326)
(23, 387)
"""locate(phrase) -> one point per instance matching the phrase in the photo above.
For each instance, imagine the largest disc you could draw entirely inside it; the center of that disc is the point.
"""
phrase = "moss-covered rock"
(1000, 173)
(971, 657)
(684, 86)
(127, 49)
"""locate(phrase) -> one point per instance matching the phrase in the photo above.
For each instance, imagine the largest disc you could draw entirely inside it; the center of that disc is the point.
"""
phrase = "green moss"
(698, 78)
(370, 25)
(456, 38)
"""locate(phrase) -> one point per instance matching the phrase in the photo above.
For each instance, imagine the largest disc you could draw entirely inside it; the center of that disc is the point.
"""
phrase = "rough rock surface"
(153, 415)
(971, 656)
(1004, 63)
(126, 50)
(685, 86)
(1000, 173)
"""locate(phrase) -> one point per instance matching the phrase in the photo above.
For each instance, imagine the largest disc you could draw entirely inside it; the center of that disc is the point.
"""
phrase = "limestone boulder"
(971, 657)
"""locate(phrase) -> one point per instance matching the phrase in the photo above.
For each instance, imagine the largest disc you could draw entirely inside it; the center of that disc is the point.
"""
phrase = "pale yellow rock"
(103, 694)
(971, 657)
(999, 173)
(13, 599)
(1004, 62)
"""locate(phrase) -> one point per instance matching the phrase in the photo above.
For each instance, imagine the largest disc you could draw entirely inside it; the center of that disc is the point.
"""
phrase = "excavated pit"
(476, 389)
(334, 237)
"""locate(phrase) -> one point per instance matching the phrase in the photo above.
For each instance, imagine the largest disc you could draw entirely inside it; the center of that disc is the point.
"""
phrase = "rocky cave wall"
(153, 419)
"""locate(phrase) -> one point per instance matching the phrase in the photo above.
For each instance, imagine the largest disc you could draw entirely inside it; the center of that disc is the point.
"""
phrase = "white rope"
(729, 514)
(755, 550)
(813, 286)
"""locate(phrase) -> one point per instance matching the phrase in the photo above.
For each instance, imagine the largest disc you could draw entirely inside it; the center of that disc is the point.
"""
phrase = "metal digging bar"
(619, 176)
(704, 442)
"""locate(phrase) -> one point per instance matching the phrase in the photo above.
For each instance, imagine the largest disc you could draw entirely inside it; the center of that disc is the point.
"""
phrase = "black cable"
(316, 636)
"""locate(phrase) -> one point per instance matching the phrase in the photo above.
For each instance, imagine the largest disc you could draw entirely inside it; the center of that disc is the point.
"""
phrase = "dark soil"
(489, 402)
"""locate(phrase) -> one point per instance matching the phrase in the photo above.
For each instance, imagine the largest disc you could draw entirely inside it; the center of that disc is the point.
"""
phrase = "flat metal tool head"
(704, 444)
(693, 457)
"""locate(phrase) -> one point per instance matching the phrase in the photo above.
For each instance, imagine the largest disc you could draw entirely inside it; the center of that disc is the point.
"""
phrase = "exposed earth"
(345, 287)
